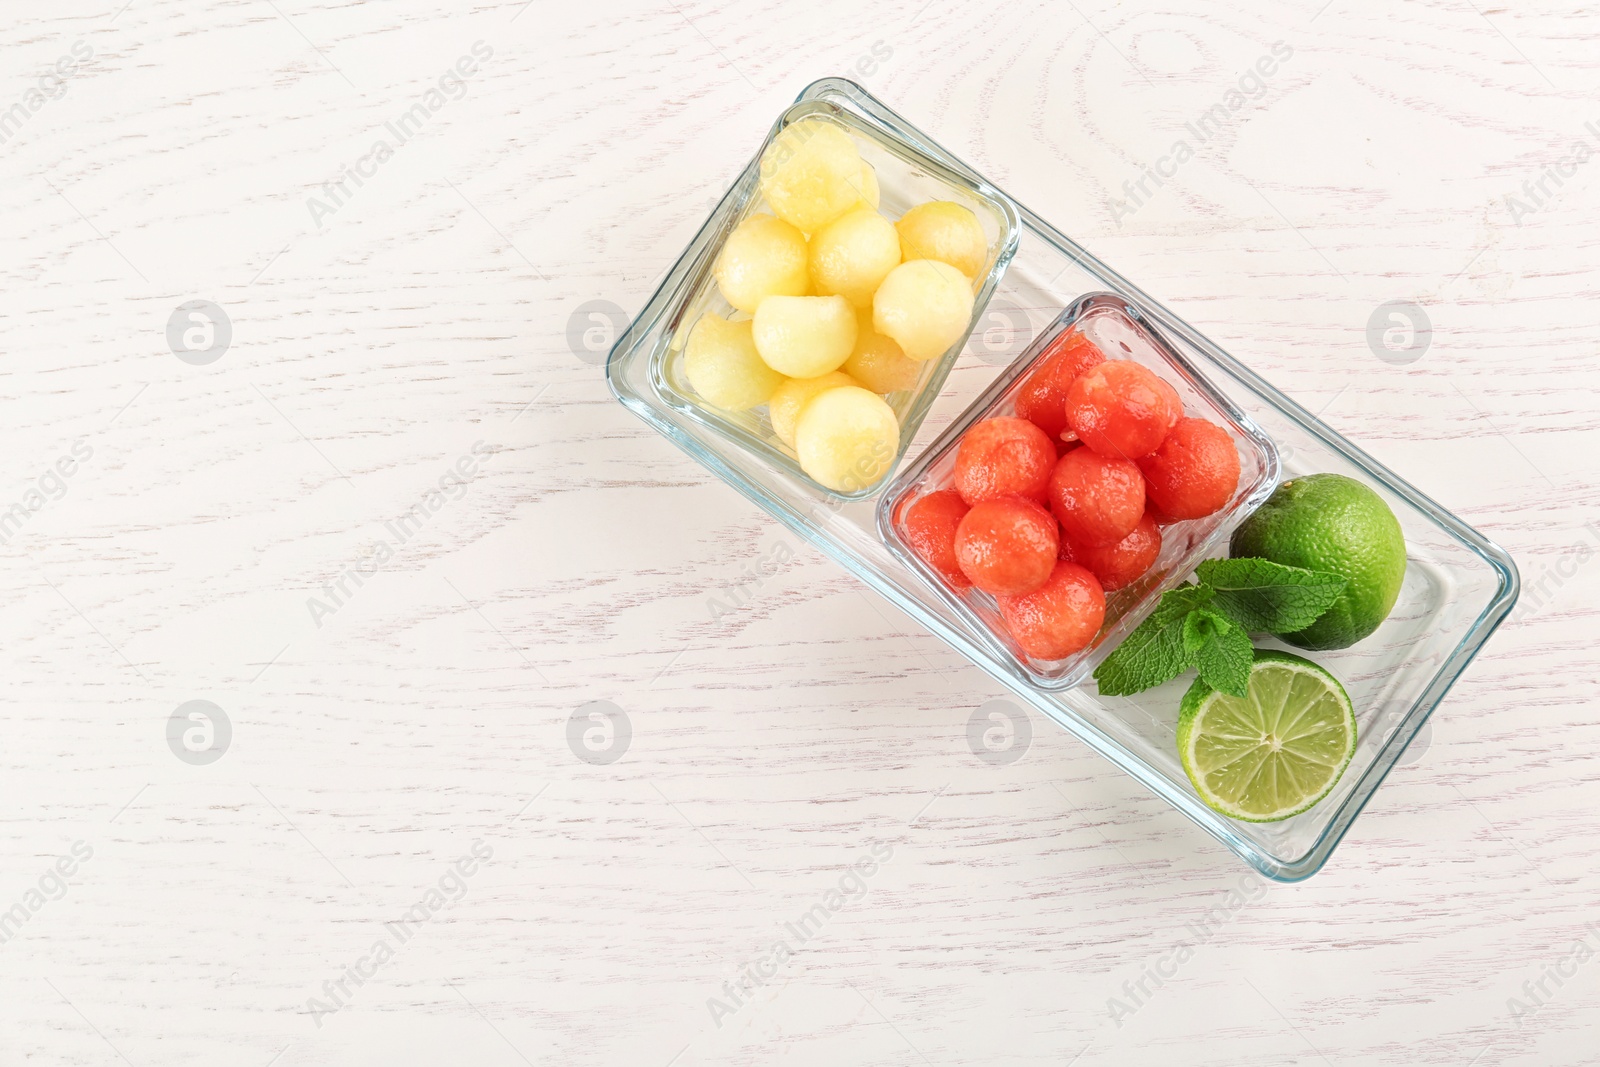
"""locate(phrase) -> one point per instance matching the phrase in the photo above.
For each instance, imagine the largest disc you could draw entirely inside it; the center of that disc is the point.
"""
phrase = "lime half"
(1275, 752)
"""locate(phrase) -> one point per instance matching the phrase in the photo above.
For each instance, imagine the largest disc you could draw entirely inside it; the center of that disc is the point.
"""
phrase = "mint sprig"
(1207, 625)
(1267, 597)
(1224, 655)
(1154, 652)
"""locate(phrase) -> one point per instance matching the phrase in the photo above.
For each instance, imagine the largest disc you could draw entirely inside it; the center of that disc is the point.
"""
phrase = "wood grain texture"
(375, 346)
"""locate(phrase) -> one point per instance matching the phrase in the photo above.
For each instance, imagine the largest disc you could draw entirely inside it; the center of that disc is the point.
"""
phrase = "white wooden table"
(399, 533)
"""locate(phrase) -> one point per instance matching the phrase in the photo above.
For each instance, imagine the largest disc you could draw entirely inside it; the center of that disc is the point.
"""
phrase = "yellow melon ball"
(811, 174)
(790, 398)
(947, 232)
(847, 438)
(805, 336)
(877, 362)
(721, 362)
(762, 257)
(851, 255)
(923, 305)
(869, 186)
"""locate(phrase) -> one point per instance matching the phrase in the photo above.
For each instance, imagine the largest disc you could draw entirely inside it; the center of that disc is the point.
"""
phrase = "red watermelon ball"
(930, 525)
(1042, 400)
(1003, 457)
(1195, 471)
(1097, 500)
(1059, 618)
(1007, 547)
(1122, 409)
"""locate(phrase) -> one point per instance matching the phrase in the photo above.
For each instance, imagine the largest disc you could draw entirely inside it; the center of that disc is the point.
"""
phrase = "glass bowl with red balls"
(1092, 476)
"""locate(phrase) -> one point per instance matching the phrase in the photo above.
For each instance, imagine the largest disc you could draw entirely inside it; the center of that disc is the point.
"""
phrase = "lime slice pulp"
(1275, 752)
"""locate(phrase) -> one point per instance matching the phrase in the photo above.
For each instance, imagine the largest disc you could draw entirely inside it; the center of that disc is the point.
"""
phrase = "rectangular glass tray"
(1459, 586)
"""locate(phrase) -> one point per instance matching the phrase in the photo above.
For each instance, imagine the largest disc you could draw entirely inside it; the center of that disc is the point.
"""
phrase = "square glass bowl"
(907, 176)
(1121, 331)
(1459, 586)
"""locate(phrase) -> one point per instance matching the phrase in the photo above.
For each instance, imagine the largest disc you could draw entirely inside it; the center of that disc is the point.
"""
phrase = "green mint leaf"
(1184, 599)
(1266, 597)
(1154, 652)
(1195, 633)
(1202, 626)
(1146, 658)
(1225, 659)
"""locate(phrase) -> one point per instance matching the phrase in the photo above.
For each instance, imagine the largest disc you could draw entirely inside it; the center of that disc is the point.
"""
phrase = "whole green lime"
(1328, 522)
